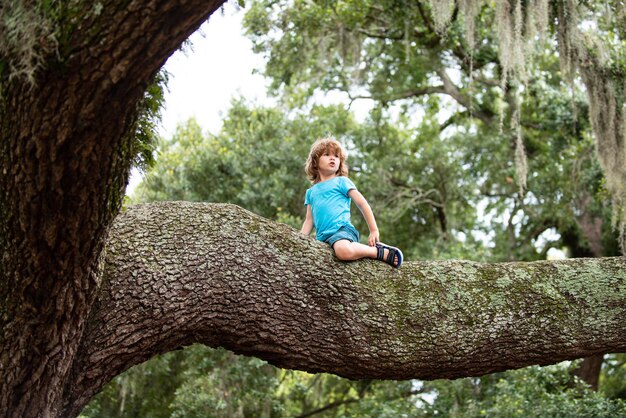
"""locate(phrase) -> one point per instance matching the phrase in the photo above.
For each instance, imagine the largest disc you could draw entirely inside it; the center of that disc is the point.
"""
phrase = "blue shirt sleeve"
(346, 185)
(306, 197)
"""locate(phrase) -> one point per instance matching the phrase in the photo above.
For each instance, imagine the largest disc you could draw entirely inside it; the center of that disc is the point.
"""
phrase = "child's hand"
(373, 238)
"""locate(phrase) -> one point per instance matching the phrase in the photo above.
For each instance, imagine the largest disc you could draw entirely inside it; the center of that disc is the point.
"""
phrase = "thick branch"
(447, 88)
(179, 273)
(484, 114)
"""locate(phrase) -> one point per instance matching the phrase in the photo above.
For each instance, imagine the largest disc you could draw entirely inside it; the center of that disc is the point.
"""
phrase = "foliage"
(256, 161)
(195, 382)
(144, 390)
(533, 391)
(201, 382)
(221, 384)
(412, 70)
(145, 138)
(614, 375)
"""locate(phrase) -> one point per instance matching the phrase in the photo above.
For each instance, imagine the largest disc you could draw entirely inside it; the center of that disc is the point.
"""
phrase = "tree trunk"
(589, 370)
(179, 273)
(65, 150)
(590, 226)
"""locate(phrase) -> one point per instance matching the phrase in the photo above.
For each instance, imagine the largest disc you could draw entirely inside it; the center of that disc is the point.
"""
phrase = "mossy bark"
(178, 273)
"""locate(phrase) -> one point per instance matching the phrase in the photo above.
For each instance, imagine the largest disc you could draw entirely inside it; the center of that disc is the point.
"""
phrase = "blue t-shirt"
(330, 205)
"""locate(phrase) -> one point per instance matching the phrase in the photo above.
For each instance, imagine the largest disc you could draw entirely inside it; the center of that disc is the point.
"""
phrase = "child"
(328, 207)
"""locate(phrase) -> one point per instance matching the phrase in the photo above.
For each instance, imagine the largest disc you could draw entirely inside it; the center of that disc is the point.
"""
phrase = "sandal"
(393, 252)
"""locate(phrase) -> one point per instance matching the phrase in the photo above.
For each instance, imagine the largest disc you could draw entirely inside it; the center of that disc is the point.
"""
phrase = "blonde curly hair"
(318, 148)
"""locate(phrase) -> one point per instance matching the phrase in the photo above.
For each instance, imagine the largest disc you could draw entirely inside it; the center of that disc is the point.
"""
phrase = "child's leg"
(348, 251)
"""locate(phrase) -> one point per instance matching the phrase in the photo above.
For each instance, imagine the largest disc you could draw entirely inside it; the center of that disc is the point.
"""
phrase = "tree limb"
(331, 405)
(177, 273)
(484, 114)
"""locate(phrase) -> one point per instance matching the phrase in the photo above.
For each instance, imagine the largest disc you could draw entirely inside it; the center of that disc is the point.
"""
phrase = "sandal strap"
(381, 252)
(393, 253)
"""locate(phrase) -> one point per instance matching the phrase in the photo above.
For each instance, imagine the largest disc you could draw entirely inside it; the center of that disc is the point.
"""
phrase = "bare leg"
(348, 251)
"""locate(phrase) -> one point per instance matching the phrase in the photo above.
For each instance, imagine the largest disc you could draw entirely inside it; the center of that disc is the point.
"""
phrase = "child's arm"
(307, 226)
(366, 210)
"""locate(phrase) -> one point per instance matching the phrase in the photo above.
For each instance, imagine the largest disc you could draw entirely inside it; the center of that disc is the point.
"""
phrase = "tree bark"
(589, 370)
(591, 229)
(65, 156)
(179, 273)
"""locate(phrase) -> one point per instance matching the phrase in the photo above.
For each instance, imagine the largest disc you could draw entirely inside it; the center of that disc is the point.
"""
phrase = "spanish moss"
(442, 13)
(27, 36)
(582, 55)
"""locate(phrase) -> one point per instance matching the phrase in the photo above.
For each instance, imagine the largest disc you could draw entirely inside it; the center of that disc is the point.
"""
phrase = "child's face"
(329, 162)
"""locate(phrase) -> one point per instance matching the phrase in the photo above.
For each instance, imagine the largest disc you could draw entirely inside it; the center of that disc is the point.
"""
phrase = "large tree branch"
(179, 273)
(483, 113)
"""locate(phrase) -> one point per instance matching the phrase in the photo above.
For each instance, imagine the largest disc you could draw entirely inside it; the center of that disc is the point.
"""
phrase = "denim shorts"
(345, 232)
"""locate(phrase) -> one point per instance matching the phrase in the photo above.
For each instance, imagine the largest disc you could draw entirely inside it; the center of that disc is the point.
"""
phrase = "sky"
(219, 66)
(205, 77)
